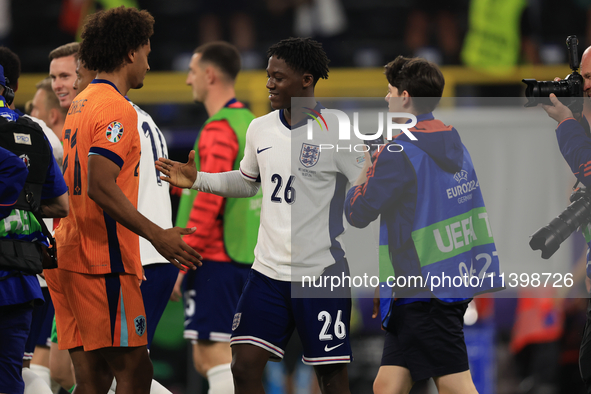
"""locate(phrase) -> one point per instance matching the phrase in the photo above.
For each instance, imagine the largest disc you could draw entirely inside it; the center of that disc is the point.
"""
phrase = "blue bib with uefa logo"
(451, 234)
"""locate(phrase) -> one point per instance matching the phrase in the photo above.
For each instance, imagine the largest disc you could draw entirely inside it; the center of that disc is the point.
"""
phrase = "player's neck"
(217, 98)
(295, 115)
(118, 79)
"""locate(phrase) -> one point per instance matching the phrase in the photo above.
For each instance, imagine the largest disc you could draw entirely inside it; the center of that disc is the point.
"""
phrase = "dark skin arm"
(57, 207)
(103, 189)
(178, 174)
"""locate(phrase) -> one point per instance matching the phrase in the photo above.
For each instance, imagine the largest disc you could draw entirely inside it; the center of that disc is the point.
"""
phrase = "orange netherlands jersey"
(100, 121)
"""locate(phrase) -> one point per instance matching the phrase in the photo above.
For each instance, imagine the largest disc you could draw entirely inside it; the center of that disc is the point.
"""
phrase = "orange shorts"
(97, 311)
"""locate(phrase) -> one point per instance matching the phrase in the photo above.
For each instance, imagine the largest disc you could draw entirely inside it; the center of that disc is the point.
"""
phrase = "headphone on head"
(8, 93)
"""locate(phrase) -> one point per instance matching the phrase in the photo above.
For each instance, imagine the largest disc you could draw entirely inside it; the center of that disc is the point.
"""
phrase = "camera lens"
(548, 238)
(544, 88)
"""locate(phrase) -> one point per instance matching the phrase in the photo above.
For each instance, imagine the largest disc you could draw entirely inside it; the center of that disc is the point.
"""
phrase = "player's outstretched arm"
(178, 174)
(226, 184)
(103, 189)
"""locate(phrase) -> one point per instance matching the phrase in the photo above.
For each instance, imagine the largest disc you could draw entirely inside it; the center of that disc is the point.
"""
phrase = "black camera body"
(569, 90)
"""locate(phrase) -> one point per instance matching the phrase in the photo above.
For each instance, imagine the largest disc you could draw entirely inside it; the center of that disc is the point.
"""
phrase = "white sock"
(220, 380)
(34, 384)
(156, 388)
(42, 372)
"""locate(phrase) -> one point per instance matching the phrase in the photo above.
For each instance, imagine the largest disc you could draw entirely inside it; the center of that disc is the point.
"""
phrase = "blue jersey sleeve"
(575, 147)
(13, 173)
(54, 185)
(387, 180)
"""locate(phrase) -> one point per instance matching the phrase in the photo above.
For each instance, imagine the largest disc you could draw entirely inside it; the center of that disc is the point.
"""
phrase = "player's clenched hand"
(172, 247)
(557, 110)
(178, 174)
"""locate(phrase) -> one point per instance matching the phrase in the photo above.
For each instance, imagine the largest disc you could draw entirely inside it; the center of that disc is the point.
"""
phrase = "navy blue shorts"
(267, 315)
(40, 334)
(156, 291)
(427, 338)
(211, 295)
(15, 322)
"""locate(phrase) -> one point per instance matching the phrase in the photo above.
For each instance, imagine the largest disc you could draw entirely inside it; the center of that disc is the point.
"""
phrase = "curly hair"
(108, 36)
(12, 66)
(304, 55)
(419, 77)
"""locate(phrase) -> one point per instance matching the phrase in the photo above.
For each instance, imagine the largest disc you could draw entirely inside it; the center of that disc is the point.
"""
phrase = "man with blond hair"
(62, 71)
(46, 106)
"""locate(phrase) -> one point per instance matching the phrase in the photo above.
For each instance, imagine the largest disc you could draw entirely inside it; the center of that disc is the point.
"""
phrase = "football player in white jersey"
(301, 223)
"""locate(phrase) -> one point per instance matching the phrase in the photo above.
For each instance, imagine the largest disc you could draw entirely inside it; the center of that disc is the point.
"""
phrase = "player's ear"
(53, 115)
(408, 102)
(307, 80)
(130, 56)
(406, 99)
(210, 75)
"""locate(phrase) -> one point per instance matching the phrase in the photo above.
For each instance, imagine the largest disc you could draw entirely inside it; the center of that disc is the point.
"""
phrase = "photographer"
(21, 234)
(575, 146)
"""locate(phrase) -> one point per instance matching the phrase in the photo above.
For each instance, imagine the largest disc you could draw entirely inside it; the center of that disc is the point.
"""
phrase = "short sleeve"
(350, 163)
(115, 133)
(249, 166)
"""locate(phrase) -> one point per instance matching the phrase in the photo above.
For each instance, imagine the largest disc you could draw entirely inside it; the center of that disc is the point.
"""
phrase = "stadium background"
(375, 32)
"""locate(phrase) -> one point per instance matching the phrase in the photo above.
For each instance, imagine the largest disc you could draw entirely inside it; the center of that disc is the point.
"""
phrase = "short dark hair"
(65, 50)
(108, 36)
(223, 55)
(420, 78)
(304, 55)
(12, 66)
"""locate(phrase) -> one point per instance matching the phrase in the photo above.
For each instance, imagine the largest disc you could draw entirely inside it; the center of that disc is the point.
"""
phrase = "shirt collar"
(96, 80)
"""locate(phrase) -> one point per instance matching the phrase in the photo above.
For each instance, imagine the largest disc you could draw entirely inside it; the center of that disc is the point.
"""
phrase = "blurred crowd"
(495, 33)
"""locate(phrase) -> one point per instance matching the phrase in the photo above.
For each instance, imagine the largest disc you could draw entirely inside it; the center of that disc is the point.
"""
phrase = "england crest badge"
(309, 155)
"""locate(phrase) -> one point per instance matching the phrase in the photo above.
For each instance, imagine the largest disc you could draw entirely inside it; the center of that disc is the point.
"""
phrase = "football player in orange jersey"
(99, 309)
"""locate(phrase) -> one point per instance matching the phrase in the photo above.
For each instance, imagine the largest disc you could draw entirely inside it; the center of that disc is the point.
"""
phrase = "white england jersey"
(153, 195)
(304, 184)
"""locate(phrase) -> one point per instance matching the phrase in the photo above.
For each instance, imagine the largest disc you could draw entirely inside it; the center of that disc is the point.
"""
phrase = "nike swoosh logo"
(261, 150)
(328, 349)
(187, 322)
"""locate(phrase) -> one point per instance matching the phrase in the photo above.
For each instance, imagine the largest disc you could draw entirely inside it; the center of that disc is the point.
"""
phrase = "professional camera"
(568, 90)
(548, 238)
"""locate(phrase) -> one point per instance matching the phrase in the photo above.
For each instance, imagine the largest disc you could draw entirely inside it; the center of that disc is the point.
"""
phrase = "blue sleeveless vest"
(455, 250)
